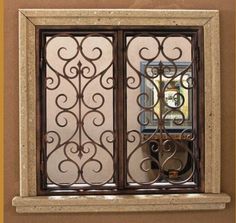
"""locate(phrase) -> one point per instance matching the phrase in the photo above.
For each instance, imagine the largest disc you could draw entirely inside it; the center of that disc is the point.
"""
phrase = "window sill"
(120, 203)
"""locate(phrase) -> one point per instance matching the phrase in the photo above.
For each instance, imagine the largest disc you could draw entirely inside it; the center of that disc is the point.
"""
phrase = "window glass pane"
(78, 109)
(161, 145)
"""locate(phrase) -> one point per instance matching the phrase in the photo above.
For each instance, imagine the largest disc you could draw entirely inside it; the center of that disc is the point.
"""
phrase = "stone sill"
(120, 203)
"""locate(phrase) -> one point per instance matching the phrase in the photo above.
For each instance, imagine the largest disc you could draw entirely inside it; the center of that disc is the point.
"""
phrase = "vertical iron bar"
(44, 107)
(39, 165)
(194, 111)
(80, 95)
(201, 108)
(41, 111)
(121, 111)
(115, 109)
(198, 107)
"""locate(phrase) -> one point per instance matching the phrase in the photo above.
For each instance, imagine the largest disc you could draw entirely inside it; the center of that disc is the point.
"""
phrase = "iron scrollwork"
(71, 150)
(94, 142)
(160, 112)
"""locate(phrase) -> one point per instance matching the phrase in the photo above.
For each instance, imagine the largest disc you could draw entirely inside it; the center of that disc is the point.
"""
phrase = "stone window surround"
(28, 201)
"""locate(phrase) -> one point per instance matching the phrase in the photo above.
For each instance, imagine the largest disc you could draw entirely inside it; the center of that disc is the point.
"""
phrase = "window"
(99, 89)
(119, 102)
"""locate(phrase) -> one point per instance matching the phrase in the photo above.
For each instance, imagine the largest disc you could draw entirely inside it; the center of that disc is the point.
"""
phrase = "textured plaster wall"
(11, 112)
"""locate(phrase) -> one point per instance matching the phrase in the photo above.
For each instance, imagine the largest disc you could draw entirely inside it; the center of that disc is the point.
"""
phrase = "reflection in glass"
(160, 127)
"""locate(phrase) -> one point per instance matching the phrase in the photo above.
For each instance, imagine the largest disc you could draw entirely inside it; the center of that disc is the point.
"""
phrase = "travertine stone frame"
(28, 201)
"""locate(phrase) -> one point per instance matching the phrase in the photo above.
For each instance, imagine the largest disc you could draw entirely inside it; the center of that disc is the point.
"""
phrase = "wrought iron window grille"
(91, 139)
